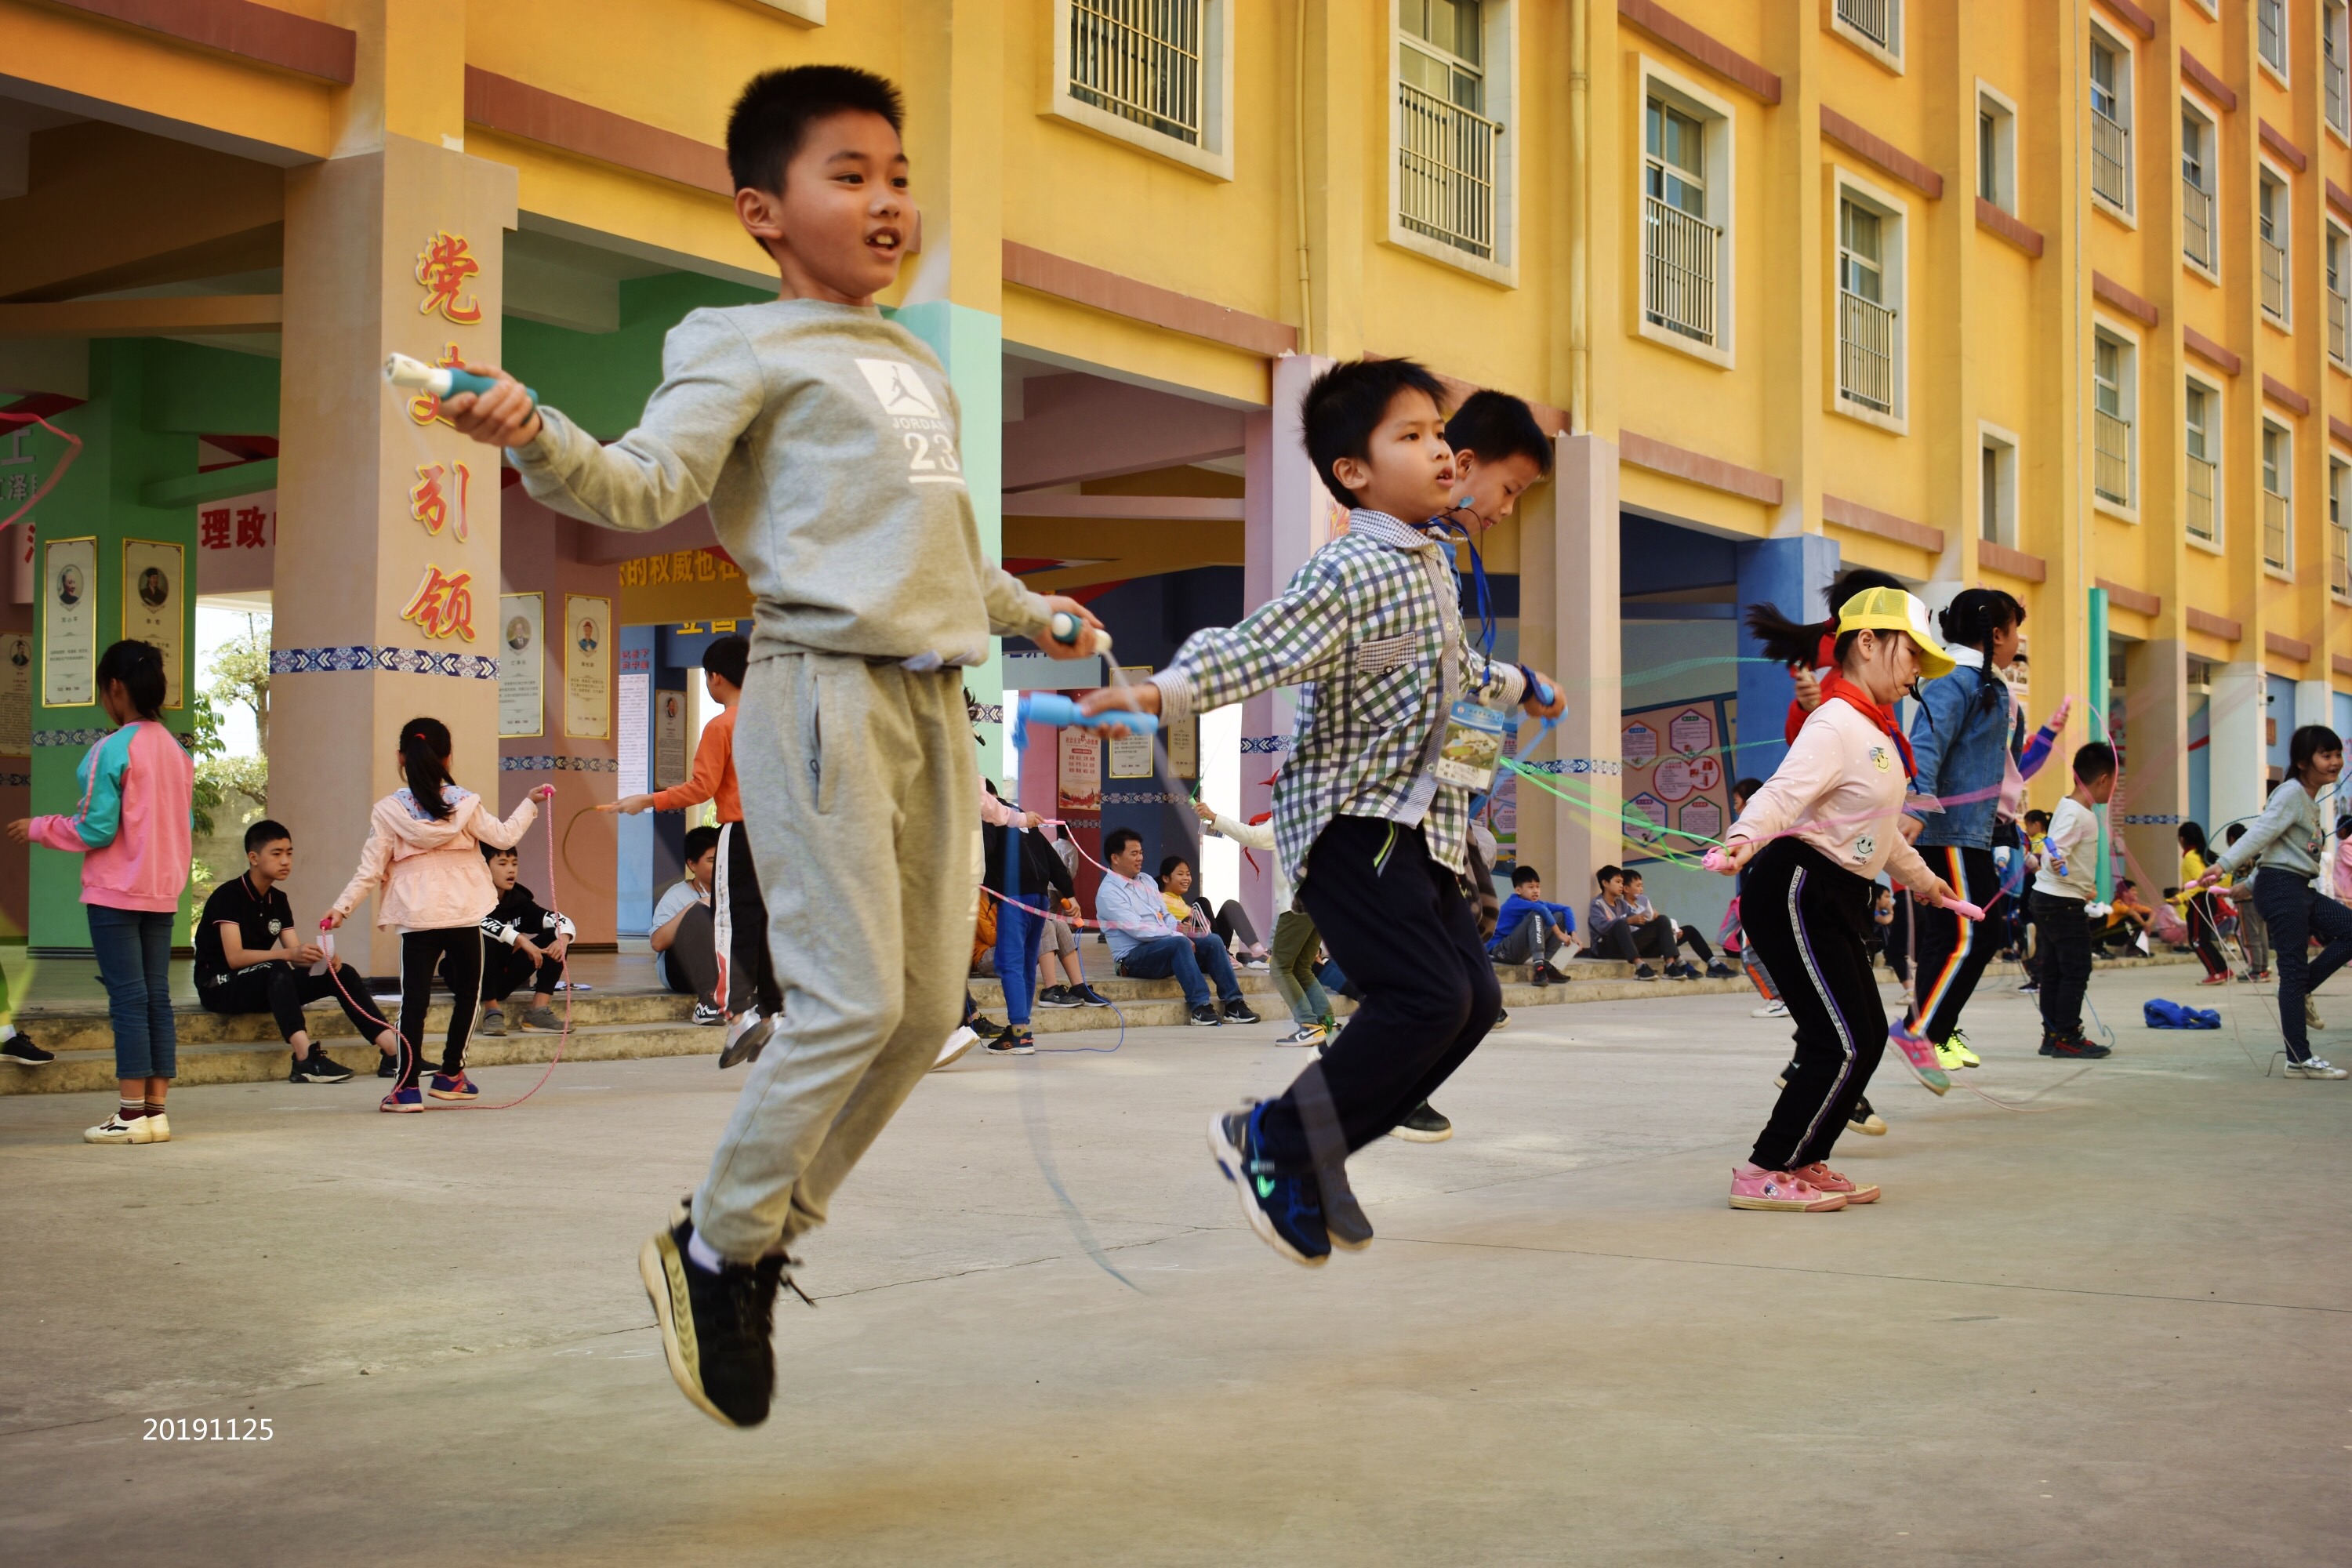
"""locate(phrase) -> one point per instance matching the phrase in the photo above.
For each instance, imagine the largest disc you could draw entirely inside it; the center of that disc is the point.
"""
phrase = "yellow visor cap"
(1892, 610)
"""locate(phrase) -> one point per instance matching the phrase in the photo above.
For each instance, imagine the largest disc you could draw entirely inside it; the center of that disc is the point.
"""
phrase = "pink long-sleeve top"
(1841, 789)
(131, 827)
(432, 874)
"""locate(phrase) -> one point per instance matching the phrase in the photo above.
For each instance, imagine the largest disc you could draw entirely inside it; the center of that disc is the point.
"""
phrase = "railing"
(2197, 223)
(2275, 280)
(2111, 474)
(2274, 530)
(2331, 71)
(1678, 254)
(2203, 481)
(2339, 327)
(2339, 560)
(2110, 161)
(1446, 187)
(1865, 351)
(1874, 19)
(1140, 59)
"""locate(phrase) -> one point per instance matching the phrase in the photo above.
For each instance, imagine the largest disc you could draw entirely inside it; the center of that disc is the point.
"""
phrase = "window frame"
(2335, 264)
(2339, 525)
(1719, 150)
(2336, 28)
(1499, 42)
(2126, 120)
(2196, 108)
(1894, 271)
(2270, 427)
(2004, 443)
(1888, 54)
(2129, 345)
(2217, 448)
(2004, 130)
(1215, 156)
(2267, 175)
(2277, 69)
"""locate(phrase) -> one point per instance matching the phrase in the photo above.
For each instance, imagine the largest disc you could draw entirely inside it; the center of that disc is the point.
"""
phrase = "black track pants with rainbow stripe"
(1949, 964)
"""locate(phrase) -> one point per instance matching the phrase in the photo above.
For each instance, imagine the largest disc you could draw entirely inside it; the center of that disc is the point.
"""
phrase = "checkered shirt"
(1371, 629)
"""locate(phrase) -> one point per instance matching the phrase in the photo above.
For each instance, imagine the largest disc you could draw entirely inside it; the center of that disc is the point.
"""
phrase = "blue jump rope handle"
(1543, 694)
(1053, 708)
(467, 381)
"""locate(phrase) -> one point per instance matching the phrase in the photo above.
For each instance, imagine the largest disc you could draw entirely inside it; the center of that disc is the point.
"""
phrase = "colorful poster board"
(1678, 775)
(69, 623)
(669, 739)
(1130, 755)
(636, 732)
(588, 668)
(1184, 747)
(522, 664)
(1080, 781)
(15, 694)
(155, 605)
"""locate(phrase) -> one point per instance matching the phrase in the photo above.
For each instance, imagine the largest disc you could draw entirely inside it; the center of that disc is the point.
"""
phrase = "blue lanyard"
(1478, 585)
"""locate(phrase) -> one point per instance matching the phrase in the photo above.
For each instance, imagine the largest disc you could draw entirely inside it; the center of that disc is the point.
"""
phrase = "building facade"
(2043, 294)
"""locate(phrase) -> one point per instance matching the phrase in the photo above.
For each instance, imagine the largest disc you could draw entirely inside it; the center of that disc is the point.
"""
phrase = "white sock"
(703, 1258)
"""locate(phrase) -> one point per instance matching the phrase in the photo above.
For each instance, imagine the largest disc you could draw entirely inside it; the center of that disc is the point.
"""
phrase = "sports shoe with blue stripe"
(1286, 1212)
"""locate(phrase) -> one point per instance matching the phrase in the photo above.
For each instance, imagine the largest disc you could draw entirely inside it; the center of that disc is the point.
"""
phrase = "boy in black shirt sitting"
(251, 958)
(521, 942)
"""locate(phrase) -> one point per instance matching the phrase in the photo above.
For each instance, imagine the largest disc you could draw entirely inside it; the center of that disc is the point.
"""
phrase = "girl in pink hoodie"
(131, 832)
(422, 858)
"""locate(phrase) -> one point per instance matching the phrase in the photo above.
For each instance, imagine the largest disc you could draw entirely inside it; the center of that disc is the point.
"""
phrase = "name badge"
(1472, 748)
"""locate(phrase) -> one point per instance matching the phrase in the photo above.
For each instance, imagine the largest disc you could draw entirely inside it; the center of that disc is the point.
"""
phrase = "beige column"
(387, 580)
(2156, 763)
(1569, 626)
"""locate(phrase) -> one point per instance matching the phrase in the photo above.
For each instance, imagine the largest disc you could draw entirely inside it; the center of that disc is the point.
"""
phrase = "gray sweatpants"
(860, 783)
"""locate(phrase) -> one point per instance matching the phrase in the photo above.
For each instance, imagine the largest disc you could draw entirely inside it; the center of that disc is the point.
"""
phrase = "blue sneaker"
(1286, 1212)
(410, 1100)
(460, 1088)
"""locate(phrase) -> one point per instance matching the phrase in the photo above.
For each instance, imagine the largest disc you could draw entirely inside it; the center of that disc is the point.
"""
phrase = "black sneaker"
(717, 1328)
(1502, 1017)
(1683, 972)
(318, 1068)
(707, 1016)
(980, 1024)
(1867, 1121)
(1285, 1212)
(1058, 996)
(1422, 1124)
(2074, 1047)
(1011, 1042)
(1643, 971)
(18, 1048)
(1548, 974)
(387, 1067)
(1089, 997)
(1238, 1012)
(1719, 971)
(1205, 1016)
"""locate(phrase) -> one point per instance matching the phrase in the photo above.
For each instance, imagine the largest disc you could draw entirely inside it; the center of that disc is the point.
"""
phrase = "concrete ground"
(2110, 1326)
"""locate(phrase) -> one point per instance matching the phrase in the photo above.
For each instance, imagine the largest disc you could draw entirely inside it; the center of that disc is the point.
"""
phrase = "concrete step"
(87, 1029)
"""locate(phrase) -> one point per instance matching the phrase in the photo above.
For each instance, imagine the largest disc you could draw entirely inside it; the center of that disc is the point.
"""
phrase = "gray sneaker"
(493, 1021)
(541, 1020)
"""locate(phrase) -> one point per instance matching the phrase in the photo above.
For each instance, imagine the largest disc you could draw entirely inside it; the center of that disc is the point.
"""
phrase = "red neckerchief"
(1836, 688)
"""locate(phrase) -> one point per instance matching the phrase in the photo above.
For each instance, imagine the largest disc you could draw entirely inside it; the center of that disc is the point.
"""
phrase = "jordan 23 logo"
(915, 414)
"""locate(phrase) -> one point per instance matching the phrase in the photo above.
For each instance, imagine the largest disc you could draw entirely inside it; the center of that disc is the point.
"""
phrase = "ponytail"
(424, 748)
(1976, 616)
(1789, 642)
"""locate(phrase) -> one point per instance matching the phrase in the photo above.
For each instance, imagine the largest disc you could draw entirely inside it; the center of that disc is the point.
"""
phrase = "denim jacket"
(1962, 740)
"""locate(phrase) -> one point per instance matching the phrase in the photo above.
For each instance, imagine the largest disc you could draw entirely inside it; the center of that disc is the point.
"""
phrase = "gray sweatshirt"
(824, 438)
(2286, 836)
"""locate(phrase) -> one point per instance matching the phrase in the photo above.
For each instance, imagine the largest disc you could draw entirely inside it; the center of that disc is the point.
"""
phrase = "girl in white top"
(1827, 822)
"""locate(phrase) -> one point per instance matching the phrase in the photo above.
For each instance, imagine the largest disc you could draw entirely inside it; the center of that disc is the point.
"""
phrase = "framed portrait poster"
(155, 605)
(522, 664)
(68, 623)
(587, 668)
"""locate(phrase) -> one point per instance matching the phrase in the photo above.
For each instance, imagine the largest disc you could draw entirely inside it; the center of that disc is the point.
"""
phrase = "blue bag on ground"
(2162, 1014)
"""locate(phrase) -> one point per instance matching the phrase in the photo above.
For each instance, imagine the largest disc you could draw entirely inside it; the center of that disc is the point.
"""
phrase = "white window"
(2202, 437)
(2278, 498)
(1451, 178)
(1996, 149)
(2111, 121)
(2340, 533)
(2200, 240)
(2333, 44)
(1996, 486)
(2113, 401)
(1875, 27)
(1687, 193)
(1869, 304)
(2339, 295)
(2270, 35)
(2270, 218)
(1155, 74)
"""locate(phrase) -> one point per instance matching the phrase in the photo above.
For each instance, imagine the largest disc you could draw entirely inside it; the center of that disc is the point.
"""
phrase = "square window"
(1157, 76)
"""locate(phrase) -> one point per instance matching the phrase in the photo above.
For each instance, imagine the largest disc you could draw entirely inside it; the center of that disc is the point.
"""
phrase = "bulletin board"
(1678, 775)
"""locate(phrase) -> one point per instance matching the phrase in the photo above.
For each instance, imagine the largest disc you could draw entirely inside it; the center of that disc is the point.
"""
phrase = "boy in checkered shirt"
(1399, 724)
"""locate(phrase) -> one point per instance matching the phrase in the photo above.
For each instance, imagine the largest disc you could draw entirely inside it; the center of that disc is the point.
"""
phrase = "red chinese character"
(443, 267)
(212, 529)
(443, 604)
(252, 527)
(429, 506)
(425, 408)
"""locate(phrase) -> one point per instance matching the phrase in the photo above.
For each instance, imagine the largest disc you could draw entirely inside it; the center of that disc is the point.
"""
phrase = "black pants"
(2296, 914)
(504, 968)
(1806, 918)
(455, 951)
(2205, 934)
(2063, 937)
(280, 988)
(1951, 959)
(1629, 943)
(691, 966)
(1397, 922)
(739, 929)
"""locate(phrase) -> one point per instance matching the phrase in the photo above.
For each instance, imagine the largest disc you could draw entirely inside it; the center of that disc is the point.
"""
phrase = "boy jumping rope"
(824, 438)
(1399, 724)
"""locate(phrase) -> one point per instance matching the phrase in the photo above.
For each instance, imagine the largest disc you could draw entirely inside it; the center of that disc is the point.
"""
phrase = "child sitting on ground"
(525, 942)
(1677, 936)
(683, 939)
(1530, 931)
(251, 958)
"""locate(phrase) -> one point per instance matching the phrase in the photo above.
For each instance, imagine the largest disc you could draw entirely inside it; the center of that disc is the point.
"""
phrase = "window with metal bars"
(1679, 248)
(1866, 315)
(2198, 240)
(1143, 60)
(2339, 297)
(2111, 123)
(2271, 226)
(2334, 100)
(2202, 515)
(2339, 535)
(2111, 417)
(2270, 33)
(1880, 21)
(2278, 451)
(1448, 151)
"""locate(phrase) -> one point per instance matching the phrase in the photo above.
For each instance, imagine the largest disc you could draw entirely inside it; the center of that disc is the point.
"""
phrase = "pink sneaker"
(1820, 1176)
(1921, 1056)
(1781, 1190)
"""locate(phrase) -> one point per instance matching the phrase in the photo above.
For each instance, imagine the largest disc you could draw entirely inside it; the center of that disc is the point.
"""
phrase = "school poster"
(1678, 775)
(1079, 783)
(15, 694)
(522, 664)
(155, 606)
(1130, 755)
(669, 739)
(587, 668)
(69, 623)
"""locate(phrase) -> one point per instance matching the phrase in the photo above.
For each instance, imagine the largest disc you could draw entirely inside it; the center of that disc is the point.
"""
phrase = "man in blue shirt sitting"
(1530, 931)
(1147, 944)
